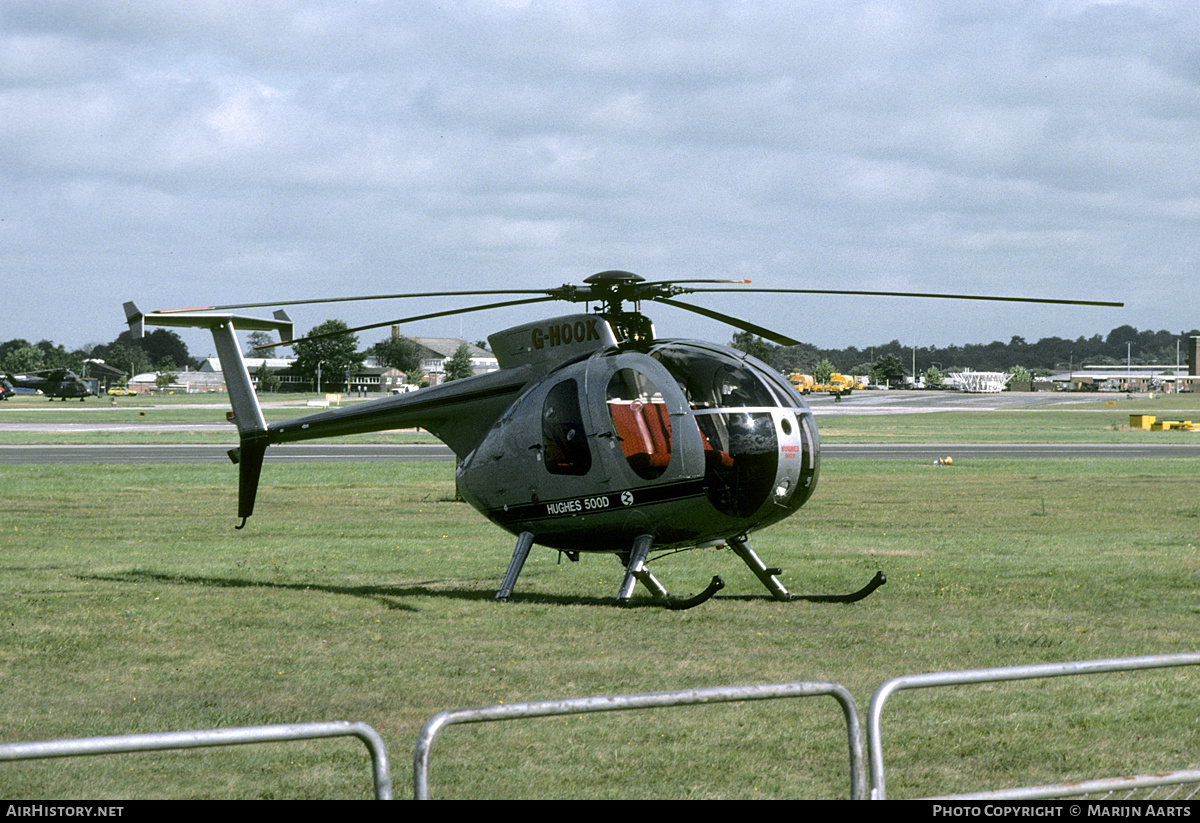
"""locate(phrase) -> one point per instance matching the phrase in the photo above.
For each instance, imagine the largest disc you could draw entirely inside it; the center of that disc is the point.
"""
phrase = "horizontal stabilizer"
(207, 320)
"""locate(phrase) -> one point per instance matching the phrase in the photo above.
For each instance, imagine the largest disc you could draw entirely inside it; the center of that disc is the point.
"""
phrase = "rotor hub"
(614, 277)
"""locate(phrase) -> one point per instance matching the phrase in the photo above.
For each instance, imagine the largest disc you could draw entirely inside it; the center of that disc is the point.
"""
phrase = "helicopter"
(594, 435)
(54, 383)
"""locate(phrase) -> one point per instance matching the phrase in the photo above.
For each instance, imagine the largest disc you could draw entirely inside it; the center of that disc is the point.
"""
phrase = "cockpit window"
(711, 380)
(640, 420)
(732, 401)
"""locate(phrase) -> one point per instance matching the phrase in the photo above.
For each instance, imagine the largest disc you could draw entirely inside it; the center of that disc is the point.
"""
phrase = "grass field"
(1103, 419)
(128, 603)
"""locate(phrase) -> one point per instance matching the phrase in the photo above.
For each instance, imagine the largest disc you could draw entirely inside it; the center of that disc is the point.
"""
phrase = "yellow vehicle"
(839, 384)
(121, 391)
(802, 382)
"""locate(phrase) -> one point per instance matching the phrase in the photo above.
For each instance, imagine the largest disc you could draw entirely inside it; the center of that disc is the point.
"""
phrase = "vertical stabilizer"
(247, 414)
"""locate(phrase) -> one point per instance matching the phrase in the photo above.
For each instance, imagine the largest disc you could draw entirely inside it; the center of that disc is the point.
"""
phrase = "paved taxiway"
(332, 453)
(861, 403)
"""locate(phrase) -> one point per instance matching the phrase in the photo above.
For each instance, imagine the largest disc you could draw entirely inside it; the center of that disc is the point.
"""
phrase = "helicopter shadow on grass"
(387, 596)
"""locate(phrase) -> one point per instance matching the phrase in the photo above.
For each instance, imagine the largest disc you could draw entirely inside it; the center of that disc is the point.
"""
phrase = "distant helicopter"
(594, 435)
(54, 383)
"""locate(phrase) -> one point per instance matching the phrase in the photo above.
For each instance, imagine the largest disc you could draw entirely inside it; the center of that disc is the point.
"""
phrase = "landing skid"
(681, 603)
(853, 597)
(636, 572)
(768, 577)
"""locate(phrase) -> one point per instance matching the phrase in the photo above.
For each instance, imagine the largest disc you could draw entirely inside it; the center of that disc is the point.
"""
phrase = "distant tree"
(752, 345)
(159, 346)
(1119, 337)
(934, 377)
(9, 345)
(888, 368)
(822, 371)
(459, 366)
(165, 346)
(268, 381)
(400, 353)
(128, 358)
(1020, 374)
(334, 355)
(166, 364)
(22, 359)
(256, 339)
(56, 357)
(788, 359)
(164, 379)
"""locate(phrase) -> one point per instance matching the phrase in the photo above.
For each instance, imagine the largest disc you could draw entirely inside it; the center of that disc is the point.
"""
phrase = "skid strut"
(769, 579)
(767, 576)
(636, 571)
(524, 542)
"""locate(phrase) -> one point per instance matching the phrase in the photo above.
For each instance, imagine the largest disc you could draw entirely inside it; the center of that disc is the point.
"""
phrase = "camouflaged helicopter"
(594, 435)
(61, 383)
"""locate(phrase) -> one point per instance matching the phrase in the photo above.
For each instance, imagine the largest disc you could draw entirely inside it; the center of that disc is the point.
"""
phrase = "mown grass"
(128, 603)
(1105, 420)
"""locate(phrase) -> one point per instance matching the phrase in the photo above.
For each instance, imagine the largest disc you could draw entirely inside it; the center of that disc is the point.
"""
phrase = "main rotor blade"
(407, 320)
(698, 280)
(233, 306)
(1050, 300)
(744, 325)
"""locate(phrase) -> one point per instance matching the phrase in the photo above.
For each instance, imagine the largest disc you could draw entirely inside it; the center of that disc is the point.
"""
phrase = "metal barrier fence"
(1173, 781)
(161, 741)
(1177, 786)
(923, 681)
(627, 702)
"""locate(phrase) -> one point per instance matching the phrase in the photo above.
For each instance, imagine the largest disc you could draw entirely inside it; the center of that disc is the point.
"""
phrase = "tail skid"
(247, 414)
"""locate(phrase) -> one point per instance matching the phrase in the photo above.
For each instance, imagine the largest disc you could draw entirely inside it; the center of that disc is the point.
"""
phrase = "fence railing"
(203, 738)
(629, 702)
(1174, 785)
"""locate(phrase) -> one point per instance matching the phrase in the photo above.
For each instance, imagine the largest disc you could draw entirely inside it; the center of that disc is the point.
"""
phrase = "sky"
(185, 153)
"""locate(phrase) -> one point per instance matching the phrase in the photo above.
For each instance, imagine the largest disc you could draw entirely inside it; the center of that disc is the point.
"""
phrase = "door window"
(640, 420)
(564, 444)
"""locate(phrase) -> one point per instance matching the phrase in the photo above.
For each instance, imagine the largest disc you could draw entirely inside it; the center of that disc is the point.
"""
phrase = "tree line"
(1044, 357)
(163, 350)
(160, 350)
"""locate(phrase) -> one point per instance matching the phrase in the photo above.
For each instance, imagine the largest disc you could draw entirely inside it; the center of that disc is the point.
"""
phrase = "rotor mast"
(612, 289)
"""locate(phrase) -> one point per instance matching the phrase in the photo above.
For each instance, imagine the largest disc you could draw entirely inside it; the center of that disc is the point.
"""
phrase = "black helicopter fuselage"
(586, 443)
(688, 442)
